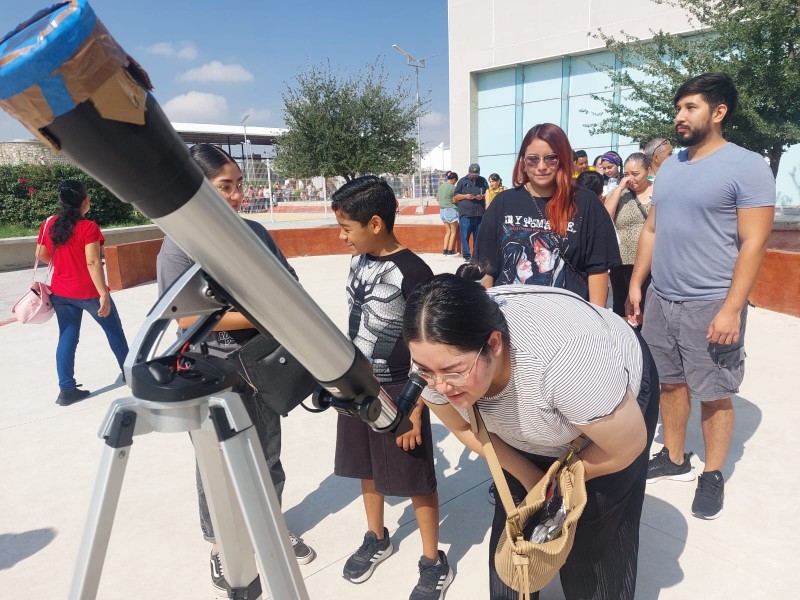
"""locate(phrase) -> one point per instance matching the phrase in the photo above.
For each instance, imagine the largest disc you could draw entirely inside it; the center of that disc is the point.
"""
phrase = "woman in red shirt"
(73, 245)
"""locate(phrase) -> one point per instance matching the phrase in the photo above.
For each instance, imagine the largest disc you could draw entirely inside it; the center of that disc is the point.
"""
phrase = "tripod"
(244, 508)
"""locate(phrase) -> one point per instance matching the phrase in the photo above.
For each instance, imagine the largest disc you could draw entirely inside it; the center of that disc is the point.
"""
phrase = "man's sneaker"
(217, 578)
(661, 467)
(492, 493)
(433, 579)
(67, 397)
(362, 563)
(302, 552)
(709, 496)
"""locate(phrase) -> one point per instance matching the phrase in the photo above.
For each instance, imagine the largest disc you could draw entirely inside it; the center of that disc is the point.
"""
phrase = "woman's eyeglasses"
(227, 189)
(532, 160)
(452, 379)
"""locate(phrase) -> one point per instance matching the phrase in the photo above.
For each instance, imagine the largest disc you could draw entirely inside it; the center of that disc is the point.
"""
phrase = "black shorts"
(362, 453)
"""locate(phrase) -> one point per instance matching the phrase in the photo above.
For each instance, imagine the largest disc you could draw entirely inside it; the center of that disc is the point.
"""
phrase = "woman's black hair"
(495, 177)
(71, 193)
(211, 159)
(641, 158)
(454, 310)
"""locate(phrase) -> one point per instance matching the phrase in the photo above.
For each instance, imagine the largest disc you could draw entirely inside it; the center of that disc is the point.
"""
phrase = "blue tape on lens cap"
(45, 56)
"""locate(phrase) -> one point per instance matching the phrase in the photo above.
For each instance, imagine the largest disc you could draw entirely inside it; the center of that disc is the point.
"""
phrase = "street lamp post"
(416, 64)
(244, 146)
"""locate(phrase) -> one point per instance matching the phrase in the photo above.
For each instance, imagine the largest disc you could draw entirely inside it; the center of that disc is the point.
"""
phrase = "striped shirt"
(571, 364)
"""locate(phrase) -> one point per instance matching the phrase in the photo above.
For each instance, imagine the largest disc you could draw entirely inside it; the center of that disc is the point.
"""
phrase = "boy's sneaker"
(492, 493)
(662, 467)
(302, 552)
(362, 563)
(217, 578)
(709, 496)
(434, 579)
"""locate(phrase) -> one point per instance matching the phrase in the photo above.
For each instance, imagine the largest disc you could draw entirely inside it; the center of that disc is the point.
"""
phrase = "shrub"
(29, 194)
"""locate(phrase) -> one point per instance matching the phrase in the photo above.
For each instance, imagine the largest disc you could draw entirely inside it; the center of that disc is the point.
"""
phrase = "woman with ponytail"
(73, 243)
(545, 231)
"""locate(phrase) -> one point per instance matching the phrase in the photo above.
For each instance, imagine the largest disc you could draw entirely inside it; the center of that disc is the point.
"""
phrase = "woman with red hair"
(544, 209)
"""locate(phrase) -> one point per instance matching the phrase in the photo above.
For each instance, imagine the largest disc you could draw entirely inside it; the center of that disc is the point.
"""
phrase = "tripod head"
(68, 81)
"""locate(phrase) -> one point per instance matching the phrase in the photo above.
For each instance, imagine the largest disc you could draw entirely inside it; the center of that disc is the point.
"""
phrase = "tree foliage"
(346, 125)
(755, 41)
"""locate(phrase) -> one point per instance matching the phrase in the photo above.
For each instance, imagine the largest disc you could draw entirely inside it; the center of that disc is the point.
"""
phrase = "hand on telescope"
(412, 438)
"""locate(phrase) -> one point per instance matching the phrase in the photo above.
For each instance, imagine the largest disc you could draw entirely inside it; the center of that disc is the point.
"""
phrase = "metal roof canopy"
(230, 135)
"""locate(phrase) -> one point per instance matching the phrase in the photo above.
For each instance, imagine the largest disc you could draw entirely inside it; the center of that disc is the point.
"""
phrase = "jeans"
(267, 424)
(69, 312)
(469, 226)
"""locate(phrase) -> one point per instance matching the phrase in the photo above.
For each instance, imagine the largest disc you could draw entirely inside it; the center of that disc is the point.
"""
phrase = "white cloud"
(434, 119)
(186, 50)
(258, 116)
(197, 107)
(216, 71)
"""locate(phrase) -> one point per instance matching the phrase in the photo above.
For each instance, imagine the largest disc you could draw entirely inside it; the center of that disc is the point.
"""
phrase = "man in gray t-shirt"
(704, 241)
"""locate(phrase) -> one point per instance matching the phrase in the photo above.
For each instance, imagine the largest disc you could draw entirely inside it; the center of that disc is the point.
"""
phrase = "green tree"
(346, 125)
(755, 41)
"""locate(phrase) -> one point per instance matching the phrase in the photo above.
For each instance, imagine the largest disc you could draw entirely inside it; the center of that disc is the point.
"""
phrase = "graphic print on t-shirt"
(532, 253)
(375, 299)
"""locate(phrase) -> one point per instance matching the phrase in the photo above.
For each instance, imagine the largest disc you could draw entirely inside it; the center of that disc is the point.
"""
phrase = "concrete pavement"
(51, 455)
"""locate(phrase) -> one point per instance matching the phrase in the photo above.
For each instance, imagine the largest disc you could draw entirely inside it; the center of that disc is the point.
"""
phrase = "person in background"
(495, 187)
(597, 164)
(657, 150)
(704, 239)
(580, 162)
(470, 198)
(71, 242)
(592, 181)
(545, 231)
(448, 213)
(611, 167)
(383, 273)
(568, 368)
(230, 333)
(628, 205)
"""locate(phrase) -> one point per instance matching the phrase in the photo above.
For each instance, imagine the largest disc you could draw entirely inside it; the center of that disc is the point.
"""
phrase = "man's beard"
(693, 136)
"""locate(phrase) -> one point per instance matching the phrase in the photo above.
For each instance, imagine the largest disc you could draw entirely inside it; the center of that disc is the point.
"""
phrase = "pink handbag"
(35, 305)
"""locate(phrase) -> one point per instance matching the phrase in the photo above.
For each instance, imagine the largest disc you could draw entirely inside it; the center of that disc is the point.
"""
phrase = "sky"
(215, 62)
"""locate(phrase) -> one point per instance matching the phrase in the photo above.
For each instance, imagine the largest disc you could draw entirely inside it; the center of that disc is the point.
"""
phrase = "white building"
(516, 63)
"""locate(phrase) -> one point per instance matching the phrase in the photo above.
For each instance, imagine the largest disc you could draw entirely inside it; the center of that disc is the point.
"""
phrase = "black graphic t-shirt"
(516, 239)
(377, 288)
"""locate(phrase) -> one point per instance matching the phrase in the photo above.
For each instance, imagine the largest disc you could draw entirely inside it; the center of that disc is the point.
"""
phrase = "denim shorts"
(676, 335)
(448, 215)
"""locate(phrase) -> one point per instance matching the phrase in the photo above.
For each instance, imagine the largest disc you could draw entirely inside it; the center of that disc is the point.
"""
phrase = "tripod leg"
(103, 506)
(230, 532)
(249, 476)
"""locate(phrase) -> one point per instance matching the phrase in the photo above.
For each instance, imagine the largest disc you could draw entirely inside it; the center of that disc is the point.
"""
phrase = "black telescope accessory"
(369, 408)
(184, 376)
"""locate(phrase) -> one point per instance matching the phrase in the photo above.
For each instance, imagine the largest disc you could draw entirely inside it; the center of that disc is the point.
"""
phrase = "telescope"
(76, 90)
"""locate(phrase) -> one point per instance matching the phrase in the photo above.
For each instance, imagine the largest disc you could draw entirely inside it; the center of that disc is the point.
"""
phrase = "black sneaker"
(662, 467)
(492, 494)
(362, 563)
(433, 579)
(302, 552)
(709, 496)
(67, 397)
(217, 577)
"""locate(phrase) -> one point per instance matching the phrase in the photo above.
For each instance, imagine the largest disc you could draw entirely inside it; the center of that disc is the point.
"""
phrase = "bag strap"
(641, 207)
(36, 262)
(501, 483)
